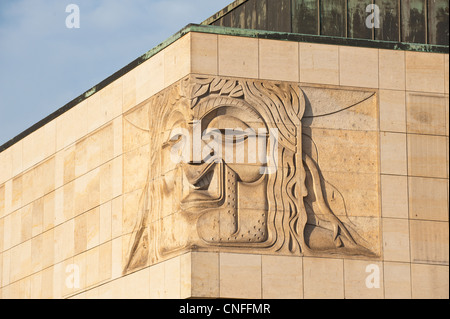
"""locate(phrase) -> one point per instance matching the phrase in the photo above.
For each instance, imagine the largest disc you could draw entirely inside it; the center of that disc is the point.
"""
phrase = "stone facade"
(359, 191)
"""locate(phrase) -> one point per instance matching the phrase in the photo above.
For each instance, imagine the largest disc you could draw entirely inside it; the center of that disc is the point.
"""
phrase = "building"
(336, 185)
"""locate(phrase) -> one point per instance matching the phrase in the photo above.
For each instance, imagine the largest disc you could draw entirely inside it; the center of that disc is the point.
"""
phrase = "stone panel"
(105, 105)
(425, 72)
(34, 150)
(392, 69)
(20, 261)
(204, 274)
(363, 279)
(157, 275)
(282, 277)
(429, 242)
(323, 278)
(204, 53)
(397, 280)
(177, 60)
(71, 126)
(319, 63)
(428, 198)
(240, 276)
(394, 196)
(239, 63)
(278, 60)
(340, 109)
(358, 67)
(17, 159)
(2, 200)
(427, 156)
(426, 114)
(138, 86)
(446, 72)
(396, 240)
(34, 184)
(392, 111)
(429, 281)
(6, 167)
(2, 231)
(64, 241)
(393, 153)
(6, 267)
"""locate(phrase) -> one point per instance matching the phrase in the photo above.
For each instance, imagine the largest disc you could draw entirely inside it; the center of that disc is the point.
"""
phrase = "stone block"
(392, 111)
(358, 67)
(393, 153)
(394, 196)
(392, 69)
(425, 72)
(426, 114)
(429, 281)
(363, 279)
(204, 53)
(323, 278)
(396, 240)
(177, 60)
(397, 280)
(282, 277)
(238, 57)
(240, 276)
(319, 63)
(428, 198)
(278, 60)
(427, 156)
(429, 242)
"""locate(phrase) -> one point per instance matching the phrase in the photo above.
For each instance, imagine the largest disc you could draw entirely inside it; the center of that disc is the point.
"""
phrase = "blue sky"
(44, 65)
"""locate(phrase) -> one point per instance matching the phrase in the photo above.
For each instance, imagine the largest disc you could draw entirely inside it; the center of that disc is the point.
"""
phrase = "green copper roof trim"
(232, 32)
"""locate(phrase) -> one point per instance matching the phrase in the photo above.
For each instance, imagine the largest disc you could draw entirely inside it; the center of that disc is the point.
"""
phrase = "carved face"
(219, 177)
(227, 185)
(211, 179)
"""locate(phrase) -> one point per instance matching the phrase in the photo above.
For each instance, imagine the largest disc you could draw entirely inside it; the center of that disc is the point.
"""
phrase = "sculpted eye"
(223, 122)
(177, 133)
(173, 140)
(232, 129)
(235, 135)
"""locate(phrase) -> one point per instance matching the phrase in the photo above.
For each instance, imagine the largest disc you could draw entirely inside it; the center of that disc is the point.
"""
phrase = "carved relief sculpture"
(259, 205)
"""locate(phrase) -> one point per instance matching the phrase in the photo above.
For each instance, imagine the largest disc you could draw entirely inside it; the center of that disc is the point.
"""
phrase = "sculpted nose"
(195, 172)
